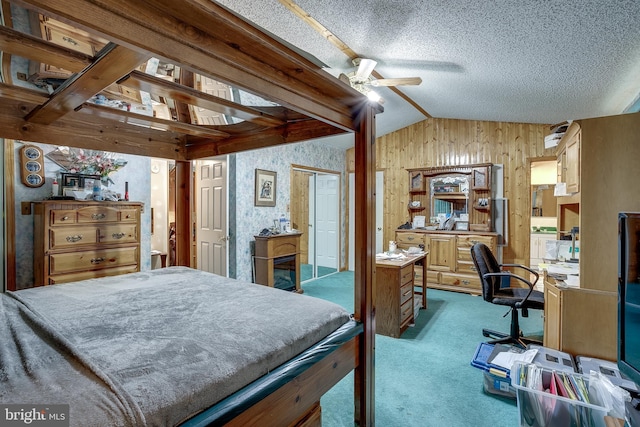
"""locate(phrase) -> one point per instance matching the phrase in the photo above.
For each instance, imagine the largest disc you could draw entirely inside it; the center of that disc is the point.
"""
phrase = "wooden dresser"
(77, 240)
(449, 261)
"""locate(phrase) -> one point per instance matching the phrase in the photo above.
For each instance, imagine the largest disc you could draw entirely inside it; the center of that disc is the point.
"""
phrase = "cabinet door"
(442, 252)
(573, 164)
(480, 179)
(552, 316)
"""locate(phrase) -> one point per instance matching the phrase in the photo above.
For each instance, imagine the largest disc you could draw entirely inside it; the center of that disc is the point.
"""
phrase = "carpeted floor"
(424, 378)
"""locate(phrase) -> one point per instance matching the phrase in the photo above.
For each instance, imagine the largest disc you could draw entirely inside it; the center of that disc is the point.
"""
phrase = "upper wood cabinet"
(568, 157)
(481, 178)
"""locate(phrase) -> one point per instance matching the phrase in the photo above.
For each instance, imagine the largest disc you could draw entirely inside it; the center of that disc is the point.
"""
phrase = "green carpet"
(424, 378)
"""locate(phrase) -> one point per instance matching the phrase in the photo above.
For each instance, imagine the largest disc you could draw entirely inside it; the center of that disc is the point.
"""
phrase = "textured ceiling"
(532, 61)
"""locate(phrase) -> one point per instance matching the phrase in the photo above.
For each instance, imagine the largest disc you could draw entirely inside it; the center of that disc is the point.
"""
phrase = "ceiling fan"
(362, 79)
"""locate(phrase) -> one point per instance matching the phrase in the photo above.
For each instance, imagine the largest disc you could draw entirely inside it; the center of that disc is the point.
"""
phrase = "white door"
(312, 224)
(379, 216)
(211, 221)
(327, 221)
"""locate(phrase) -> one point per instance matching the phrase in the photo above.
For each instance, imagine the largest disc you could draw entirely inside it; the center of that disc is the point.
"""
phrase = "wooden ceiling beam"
(86, 130)
(152, 122)
(147, 26)
(180, 93)
(292, 132)
(36, 49)
(110, 65)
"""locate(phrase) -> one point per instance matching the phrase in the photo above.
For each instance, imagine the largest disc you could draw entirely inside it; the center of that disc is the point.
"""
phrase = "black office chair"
(492, 275)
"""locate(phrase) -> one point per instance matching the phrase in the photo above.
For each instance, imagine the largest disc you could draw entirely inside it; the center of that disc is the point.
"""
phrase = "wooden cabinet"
(570, 325)
(277, 261)
(394, 296)
(77, 240)
(568, 158)
(538, 243)
(449, 263)
(442, 252)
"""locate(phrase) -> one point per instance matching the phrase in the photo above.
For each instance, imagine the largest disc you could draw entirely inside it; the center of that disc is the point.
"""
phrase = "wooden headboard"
(200, 39)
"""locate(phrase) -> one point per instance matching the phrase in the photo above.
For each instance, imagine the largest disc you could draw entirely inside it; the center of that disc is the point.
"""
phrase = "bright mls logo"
(34, 415)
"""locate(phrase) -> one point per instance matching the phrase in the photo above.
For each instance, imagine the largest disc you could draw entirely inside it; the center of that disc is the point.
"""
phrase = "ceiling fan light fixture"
(373, 96)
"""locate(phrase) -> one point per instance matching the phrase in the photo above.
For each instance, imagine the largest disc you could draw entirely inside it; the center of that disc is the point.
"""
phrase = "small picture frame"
(462, 226)
(265, 188)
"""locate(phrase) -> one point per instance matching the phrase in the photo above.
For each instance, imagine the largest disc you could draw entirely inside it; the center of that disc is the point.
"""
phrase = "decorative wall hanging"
(31, 166)
(265, 188)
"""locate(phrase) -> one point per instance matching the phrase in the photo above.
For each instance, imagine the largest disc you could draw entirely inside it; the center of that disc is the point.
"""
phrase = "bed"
(158, 347)
(201, 38)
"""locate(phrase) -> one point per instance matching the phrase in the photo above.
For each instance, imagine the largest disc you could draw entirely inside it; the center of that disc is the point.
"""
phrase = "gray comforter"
(150, 348)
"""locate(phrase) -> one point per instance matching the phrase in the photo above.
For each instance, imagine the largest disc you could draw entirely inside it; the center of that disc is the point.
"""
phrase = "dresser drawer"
(63, 216)
(128, 215)
(467, 267)
(464, 254)
(463, 280)
(433, 276)
(66, 237)
(118, 233)
(406, 292)
(470, 240)
(84, 275)
(98, 214)
(406, 240)
(92, 260)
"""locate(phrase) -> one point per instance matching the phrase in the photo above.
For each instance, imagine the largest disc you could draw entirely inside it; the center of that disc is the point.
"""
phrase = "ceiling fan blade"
(344, 79)
(365, 68)
(401, 81)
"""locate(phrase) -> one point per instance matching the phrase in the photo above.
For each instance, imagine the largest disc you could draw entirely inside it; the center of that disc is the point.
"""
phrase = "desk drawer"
(406, 274)
(406, 312)
(406, 292)
(92, 260)
(470, 240)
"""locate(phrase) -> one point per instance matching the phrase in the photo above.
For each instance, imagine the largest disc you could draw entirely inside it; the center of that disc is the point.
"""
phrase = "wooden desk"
(394, 295)
(581, 322)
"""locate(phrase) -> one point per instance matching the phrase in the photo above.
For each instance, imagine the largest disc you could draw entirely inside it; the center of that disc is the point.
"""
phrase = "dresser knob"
(73, 239)
(97, 260)
(98, 216)
(118, 235)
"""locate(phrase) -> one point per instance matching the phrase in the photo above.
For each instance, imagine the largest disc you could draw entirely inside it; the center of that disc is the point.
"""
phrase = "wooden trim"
(183, 213)
(10, 217)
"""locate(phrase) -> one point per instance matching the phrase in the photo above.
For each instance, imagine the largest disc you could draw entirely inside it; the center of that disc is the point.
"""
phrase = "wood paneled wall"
(447, 142)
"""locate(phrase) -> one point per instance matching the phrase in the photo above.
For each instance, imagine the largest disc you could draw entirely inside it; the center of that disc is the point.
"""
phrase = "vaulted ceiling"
(520, 61)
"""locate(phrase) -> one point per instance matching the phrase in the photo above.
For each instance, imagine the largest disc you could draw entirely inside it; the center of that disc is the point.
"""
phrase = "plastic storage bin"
(496, 378)
(553, 359)
(543, 409)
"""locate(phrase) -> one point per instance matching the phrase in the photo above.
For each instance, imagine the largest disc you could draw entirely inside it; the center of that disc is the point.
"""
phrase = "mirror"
(315, 212)
(449, 195)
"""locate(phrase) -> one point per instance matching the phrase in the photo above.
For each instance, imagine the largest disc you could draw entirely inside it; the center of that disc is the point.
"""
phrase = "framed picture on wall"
(265, 188)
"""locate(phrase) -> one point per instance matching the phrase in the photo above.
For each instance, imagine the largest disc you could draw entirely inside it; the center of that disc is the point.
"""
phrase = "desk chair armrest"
(514, 276)
(524, 267)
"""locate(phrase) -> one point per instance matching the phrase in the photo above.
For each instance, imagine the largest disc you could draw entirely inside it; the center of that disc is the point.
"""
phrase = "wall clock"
(31, 166)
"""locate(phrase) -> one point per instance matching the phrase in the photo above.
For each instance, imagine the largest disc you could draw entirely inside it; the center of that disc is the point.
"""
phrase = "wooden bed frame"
(202, 37)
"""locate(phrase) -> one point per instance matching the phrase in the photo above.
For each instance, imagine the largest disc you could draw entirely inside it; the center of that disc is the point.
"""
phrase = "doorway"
(543, 209)
(315, 211)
